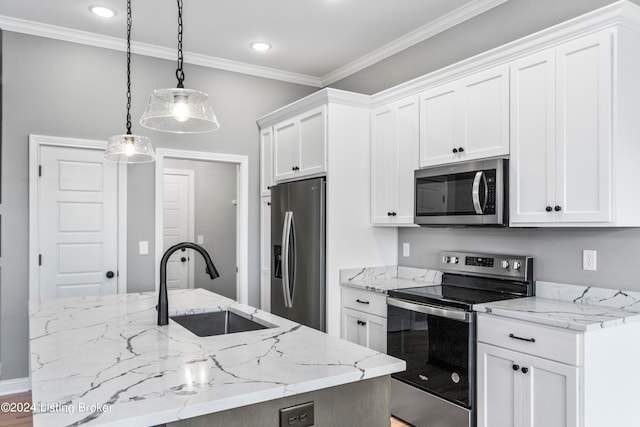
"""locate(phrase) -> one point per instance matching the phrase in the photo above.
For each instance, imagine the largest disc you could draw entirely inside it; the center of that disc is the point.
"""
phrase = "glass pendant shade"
(179, 110)
(129, 148)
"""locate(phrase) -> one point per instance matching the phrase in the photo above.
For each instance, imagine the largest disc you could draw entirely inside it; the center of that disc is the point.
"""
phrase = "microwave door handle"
(475, 193)
(286, 240)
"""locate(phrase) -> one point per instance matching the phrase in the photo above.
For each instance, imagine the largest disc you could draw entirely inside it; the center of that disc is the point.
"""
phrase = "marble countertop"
(104, 361)
(563, 314)
(384, 279)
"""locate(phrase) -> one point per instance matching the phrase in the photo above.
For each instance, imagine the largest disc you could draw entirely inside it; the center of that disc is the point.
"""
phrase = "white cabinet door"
(519, 390)
(466, 120)
(285, 149)
(499, 390)
(561, 111)
(364, 329)
(312, 143)
(439, 126)
(265, 253)
(394, 157)
(266, 161)
(583, 130)
(300, 145)
(550, 393)
(533, 119)
(485, 114)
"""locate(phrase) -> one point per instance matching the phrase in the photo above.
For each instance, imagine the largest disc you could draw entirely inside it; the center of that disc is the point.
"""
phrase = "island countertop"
(105, 361)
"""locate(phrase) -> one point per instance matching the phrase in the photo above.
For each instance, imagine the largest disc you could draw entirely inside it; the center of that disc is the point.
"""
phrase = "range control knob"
(516, 265)
(505, 264)
(445, 259)
(453, 260)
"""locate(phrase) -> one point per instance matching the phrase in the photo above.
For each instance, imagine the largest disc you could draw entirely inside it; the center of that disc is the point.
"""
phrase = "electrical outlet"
(406, 249)
(297, 416)
(589, 260)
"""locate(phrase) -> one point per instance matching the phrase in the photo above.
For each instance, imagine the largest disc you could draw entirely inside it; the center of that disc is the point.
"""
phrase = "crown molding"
(114, 43)
(421, 34)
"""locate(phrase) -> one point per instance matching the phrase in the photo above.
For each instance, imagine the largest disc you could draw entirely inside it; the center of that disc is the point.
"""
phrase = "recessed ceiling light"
(101, 11)
(260, 46)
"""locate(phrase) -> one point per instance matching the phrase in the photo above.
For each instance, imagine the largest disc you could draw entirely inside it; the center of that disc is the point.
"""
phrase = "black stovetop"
(449, 296)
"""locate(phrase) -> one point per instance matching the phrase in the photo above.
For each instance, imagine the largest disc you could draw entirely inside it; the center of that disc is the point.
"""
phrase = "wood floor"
(15, 419)
(23, 419)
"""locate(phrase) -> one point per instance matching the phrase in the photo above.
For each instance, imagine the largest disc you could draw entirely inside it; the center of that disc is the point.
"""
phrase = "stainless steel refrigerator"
(298, 252)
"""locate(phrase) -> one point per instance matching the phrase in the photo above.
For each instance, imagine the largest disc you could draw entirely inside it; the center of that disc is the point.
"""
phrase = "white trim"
(190, 174)
(416, 36)
(242, 247)
(14, 386)
(37, 141)
(437, 26)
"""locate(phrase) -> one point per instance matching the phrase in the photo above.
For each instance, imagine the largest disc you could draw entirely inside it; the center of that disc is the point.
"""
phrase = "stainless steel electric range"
(433, 329)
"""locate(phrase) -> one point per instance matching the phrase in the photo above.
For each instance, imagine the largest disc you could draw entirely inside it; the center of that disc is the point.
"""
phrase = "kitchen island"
(105, 361)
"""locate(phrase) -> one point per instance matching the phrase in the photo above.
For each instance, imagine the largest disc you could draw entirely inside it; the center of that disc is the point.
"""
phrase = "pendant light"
(129, 148)
(179, 110)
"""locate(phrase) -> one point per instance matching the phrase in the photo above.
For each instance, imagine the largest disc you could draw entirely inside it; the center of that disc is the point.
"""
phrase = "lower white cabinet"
(364, 318)
(532, 375)
(522, 390)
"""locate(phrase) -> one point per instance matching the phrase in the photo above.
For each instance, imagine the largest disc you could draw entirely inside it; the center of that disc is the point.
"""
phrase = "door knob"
(183, 259)
(109, 274)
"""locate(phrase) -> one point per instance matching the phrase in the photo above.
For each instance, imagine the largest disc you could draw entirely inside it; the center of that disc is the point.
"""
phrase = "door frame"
(190, 174)
(35, 144)
(242, 213)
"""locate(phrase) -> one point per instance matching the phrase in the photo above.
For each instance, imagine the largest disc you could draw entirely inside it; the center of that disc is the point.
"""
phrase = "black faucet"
(163, 302)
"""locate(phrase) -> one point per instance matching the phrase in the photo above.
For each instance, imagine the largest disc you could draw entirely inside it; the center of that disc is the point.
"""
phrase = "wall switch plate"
(589, 260)
(200, 239)
(143, 247)
(297, 416)
(406, 249)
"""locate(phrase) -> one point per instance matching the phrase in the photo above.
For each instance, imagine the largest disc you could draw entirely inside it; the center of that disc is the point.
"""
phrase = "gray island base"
(360, 404)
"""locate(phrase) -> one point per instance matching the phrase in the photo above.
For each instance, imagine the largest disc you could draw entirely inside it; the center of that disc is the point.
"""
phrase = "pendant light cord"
(128, 67)
(179, 71)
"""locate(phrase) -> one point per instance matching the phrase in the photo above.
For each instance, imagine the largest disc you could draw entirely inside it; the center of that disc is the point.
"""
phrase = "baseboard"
(17, 385)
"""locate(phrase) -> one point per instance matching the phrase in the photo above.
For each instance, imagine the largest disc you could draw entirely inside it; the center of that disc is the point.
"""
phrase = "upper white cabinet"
(266, 161)
(561, 134)
(394, 157)
(466, 119)
(300, 145)
(572, 133)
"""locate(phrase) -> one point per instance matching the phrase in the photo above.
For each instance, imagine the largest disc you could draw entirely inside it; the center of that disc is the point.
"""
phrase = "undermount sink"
(217, 323)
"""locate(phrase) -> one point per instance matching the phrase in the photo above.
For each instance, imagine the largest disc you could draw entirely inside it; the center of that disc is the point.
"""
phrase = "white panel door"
(407, 156)
(383, 165)
(533, 122)
(285, 149)
(583, 133)
(177, 226)
(439, 127)
(77, 223)
(312, 149)
(499, 388)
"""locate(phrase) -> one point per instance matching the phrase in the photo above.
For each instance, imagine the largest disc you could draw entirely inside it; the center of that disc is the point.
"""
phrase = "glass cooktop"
(449, 296)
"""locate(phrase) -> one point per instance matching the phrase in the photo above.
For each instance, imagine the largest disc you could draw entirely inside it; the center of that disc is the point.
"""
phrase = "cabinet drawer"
(369, 302)
(548, 342)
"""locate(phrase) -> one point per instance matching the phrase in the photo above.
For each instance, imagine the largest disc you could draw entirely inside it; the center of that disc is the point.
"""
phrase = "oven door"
(437, 344)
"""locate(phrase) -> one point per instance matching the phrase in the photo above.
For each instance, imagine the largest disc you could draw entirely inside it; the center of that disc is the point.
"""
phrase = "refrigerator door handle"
(287, 280)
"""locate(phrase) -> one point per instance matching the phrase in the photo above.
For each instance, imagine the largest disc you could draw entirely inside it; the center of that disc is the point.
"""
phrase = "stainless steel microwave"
(470, 193)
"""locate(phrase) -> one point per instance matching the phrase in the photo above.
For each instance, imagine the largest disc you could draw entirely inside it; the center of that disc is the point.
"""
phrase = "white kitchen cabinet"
(574, 133)
(533, 375)
(466, 119)
(300, 146)
(519, 390)
(561, 134)
(265, 253)
(266, 161)
(394, 157)
(364, 318)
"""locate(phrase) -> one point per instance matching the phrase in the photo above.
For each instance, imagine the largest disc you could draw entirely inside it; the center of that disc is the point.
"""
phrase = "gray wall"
(215, 219)
(502, 24)
(69, 90)
(558, 252)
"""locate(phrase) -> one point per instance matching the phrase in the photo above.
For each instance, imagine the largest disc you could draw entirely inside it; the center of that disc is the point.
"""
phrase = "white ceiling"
(315, 42)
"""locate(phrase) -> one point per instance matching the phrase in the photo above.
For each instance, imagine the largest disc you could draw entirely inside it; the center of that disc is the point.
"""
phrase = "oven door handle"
(460, 315)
